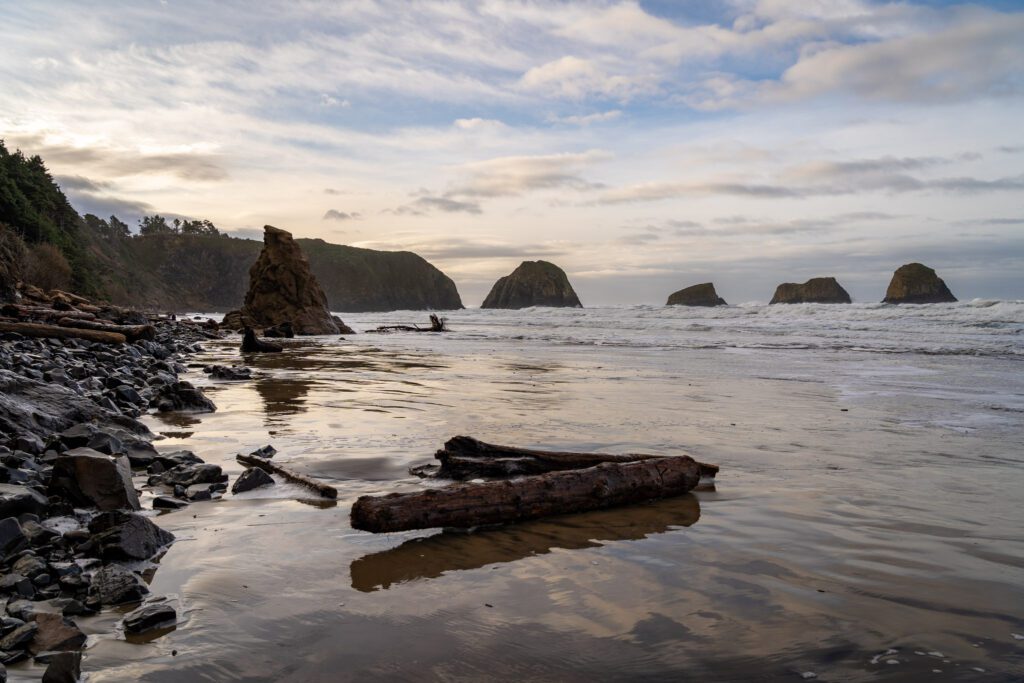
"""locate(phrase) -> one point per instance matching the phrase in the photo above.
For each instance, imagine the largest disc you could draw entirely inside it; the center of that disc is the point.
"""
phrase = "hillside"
(188, 267)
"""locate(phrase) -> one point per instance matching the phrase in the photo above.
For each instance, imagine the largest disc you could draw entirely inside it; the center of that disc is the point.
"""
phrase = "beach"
(865, 524)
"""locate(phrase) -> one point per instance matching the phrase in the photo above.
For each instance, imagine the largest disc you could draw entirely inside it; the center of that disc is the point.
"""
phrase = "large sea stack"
(283, 290)
(697, 295)
(533, 283)
(817, 290)
(916, 283)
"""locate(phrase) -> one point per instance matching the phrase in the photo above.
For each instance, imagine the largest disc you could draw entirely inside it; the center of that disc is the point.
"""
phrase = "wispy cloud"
(335, 215)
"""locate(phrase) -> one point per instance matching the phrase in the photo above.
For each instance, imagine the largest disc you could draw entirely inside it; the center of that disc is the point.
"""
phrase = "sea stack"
(533, 283)
(916, 283)
(697, 295)
(283, 290)
(817, 290)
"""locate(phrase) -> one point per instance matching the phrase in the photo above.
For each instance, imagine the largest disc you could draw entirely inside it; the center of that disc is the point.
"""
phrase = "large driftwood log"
(325, 490)
(23, 311)
(577, 490)
(464, 457)
(131, 332)
(53, 331)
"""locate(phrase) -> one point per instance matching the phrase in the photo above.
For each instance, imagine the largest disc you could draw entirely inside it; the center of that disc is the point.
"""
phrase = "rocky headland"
(916, 283)
(533, 283)
(818, 290)
(696, 295)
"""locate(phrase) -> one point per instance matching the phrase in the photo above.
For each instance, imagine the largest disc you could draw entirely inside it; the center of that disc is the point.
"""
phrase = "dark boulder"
(63, 667)
(115, 585)
(253, 344)
(181, 397)
(916, 283)
(190, 475)
(228, 372)
(282, 288)
(126, 536)
(250, 479)
(149, 617)
(533, 283)
(16, 500)
(19, 638)
(284, 329)
(91, 479)
(817, 290)
(12, 537)
(696, 295)
(55, 634)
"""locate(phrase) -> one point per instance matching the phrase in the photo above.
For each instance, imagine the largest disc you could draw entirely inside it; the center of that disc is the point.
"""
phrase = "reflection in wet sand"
(430, 557)
(283, 396)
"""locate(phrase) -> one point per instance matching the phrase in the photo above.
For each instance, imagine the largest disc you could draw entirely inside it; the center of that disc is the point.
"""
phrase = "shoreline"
(75, 538)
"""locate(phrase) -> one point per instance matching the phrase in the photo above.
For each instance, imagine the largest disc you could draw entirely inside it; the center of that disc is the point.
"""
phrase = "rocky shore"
(73, 536)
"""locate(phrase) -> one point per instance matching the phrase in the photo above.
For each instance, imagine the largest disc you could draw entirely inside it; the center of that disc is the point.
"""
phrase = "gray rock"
(17, 500)
(56, 633)
(533, 283)
(19, 638)
(189, 475)
(149, 617)
(115, 585)
(267, 451)
(12, 536)
(250, 479)
(168, 503)
(89, 478)
(126, 536)
(182, 397)
(64, 667)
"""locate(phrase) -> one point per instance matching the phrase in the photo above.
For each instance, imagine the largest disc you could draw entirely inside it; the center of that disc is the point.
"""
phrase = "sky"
(641, 146)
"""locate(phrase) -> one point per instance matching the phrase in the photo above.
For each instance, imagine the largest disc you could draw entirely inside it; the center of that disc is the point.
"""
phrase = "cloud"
(79, 183)
(587, 119)
(510, 176)
(120, 162)
(428, 204)
(335, 215)
(331, 101)
(469, 249)
(575, 78)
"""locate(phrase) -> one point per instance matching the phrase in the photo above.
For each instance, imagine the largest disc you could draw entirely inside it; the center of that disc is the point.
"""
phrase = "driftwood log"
(131, 332)
(24, 311)
(325, 490)
(576, 490)
(464, 457)
(436, 325)
(57, 332)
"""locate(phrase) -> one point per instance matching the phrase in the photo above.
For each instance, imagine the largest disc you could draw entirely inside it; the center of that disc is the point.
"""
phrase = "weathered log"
(23, 311)
(494, 502)
(131, 332)
(325, 490)
(464, 457)
(436, 325)
(54, 331)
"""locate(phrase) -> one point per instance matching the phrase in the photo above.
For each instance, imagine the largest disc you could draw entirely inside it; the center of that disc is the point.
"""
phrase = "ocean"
(867, 522)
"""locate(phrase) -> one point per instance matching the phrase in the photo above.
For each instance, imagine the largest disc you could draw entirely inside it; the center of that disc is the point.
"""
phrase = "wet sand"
(865, 524)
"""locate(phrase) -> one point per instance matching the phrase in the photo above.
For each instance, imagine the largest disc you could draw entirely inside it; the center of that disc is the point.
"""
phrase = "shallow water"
(866, 523)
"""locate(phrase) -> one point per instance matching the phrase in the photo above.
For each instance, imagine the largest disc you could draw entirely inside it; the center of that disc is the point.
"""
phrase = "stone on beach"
(181, 396)
(92, 479)
(149, 617)
(115, 585)
(55, 633)
(126, 536)
(250, 479)
(64, 667)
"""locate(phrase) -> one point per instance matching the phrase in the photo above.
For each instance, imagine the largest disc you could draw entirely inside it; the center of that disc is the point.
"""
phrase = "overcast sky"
(642, 146)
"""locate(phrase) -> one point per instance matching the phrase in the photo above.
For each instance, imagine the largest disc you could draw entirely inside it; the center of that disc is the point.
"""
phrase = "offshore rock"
(916, 283)
(533, 283)
(817, 290)
(696, 295)
(282, 288)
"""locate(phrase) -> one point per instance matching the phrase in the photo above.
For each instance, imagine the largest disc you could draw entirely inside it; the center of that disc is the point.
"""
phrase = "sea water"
(866, 524)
